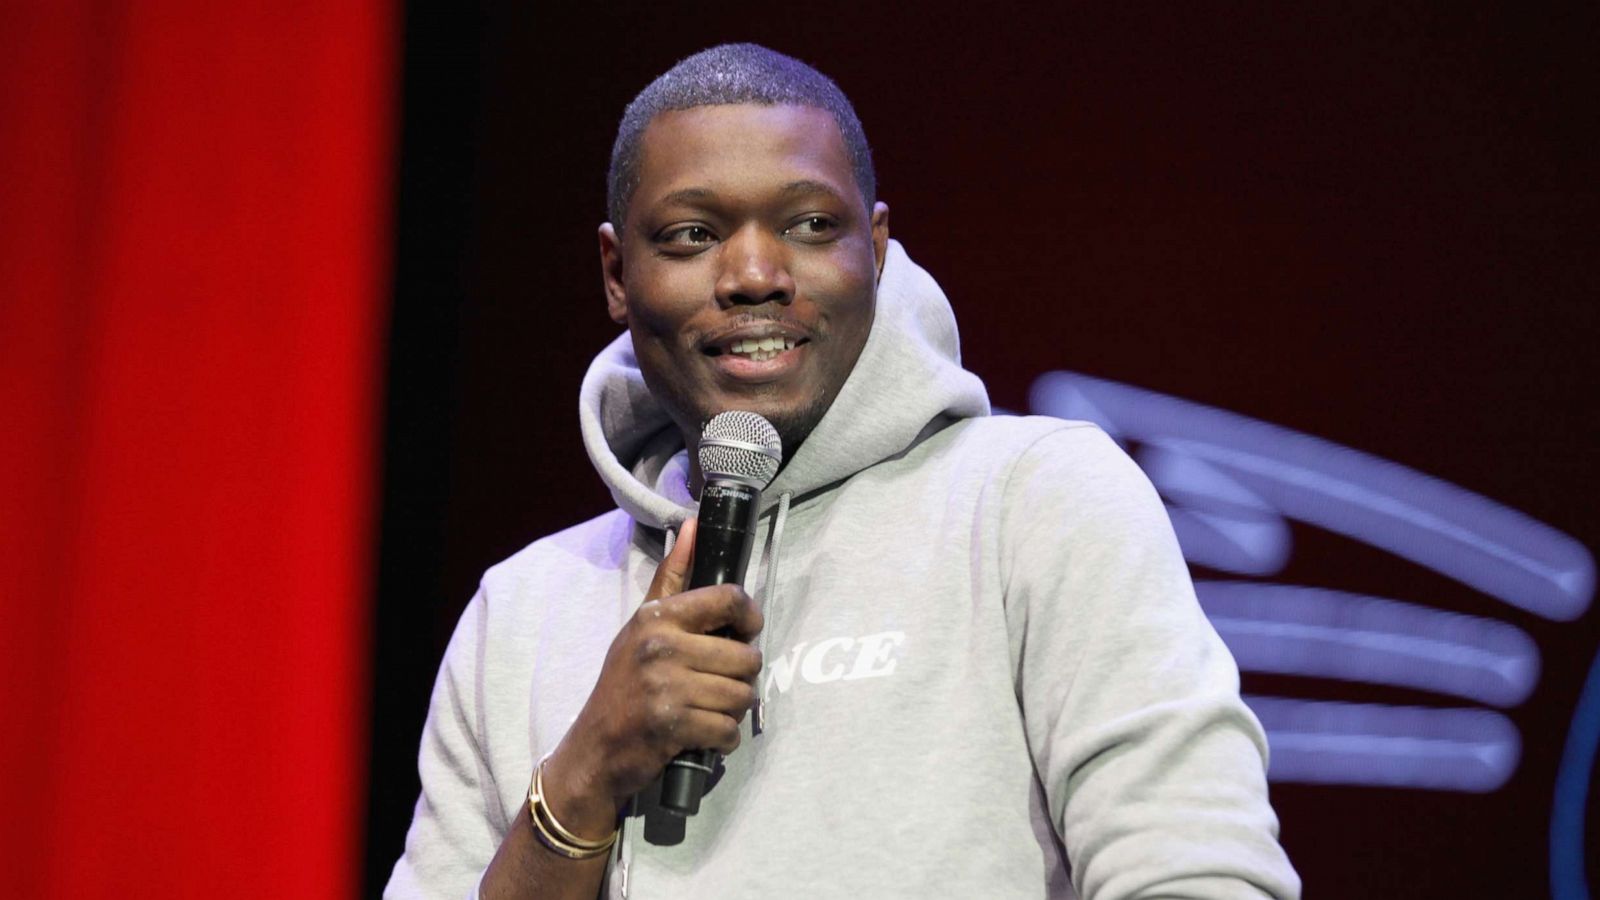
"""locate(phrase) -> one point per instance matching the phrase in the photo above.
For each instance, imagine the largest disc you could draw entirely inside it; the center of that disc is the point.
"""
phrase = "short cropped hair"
(725, 75)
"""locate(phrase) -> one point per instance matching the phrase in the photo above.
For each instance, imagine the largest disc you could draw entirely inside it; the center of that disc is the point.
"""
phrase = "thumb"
(673, 573)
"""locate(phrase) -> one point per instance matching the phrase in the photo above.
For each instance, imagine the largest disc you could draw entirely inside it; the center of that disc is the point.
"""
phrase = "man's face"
(747, 268)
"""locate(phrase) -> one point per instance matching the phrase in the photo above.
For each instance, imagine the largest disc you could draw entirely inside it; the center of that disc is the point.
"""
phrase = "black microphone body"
(722, 542)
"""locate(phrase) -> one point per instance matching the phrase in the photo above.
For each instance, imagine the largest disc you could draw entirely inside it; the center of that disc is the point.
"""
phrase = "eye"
(686, 237)
(813, 228)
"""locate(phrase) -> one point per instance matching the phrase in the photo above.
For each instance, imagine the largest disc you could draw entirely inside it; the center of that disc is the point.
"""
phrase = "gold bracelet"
(551, 833)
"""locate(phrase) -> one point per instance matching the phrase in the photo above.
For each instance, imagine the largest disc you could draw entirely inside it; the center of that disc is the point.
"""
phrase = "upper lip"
(754, 331)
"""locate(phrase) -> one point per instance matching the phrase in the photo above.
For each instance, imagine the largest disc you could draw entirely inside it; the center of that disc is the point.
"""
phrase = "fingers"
(720, 656)
(692, 666)
(714, 693)
(673, 573)
(695, 710)
(700, 729)
(704, 610)
(707, 653)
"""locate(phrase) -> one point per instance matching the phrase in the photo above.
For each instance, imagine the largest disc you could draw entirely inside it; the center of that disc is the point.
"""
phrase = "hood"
(908, 383)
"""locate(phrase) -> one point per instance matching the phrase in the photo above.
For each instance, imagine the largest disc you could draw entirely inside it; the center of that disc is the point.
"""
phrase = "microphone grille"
(740, 445)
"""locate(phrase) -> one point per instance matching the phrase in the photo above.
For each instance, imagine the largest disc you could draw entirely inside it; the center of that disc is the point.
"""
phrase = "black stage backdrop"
(1368, 222)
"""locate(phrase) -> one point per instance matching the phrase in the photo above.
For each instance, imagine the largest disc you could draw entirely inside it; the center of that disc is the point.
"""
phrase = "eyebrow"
(689, 195)
(695, 195)
(808, 186)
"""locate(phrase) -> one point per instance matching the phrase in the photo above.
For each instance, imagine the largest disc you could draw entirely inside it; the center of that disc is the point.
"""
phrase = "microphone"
(739, 455)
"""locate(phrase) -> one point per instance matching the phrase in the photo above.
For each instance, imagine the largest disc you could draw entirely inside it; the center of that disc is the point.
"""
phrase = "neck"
(697, 478)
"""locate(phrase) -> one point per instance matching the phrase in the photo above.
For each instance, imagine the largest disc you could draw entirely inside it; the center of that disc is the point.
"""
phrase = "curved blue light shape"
(1245, 545)
(1231, 484)
(1436, 524)
(1292, 630)
(1319, 742)
(1219, 522)
(1194, 482)
(1567, 878)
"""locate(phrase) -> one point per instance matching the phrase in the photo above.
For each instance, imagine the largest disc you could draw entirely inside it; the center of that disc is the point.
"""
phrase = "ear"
(611, 274)
(880, 234)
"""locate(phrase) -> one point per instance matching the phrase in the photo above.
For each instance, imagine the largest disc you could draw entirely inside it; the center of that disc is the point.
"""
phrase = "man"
(971, 643)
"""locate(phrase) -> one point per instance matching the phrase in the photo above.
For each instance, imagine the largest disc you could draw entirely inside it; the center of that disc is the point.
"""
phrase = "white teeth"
(761, 349)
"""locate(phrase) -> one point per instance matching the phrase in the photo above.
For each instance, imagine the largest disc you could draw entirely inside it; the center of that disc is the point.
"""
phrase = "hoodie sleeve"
(451, 839)
(1153, 767)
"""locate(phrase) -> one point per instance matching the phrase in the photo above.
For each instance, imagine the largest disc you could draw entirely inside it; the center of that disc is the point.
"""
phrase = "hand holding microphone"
(739, 455)
(679, 676)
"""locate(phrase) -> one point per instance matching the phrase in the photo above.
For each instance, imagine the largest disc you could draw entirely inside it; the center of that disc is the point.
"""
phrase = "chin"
(794, 424)
(793, 418)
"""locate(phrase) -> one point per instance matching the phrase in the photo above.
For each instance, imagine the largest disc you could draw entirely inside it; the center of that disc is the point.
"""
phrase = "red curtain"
(192, 283)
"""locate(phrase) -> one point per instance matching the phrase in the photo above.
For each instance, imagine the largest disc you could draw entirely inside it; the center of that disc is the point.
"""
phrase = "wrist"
(575, 795)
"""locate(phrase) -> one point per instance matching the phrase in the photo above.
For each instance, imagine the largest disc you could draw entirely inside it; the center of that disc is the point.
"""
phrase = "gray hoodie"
(983, 658)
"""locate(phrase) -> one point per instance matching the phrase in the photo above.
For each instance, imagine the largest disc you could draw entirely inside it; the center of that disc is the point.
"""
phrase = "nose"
(755, 269)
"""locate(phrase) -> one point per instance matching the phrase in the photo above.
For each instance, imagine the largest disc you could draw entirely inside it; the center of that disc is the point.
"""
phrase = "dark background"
(1370, 222)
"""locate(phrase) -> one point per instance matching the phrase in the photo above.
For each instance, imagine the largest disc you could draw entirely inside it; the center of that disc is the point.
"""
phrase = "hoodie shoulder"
(1037, 460)
(1008, 438)
(595, 548)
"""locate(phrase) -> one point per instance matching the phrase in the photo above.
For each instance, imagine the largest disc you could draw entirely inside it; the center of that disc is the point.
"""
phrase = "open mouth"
(756, 349)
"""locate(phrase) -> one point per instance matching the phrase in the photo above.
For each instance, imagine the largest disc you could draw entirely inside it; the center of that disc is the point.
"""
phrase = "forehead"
(741, 150)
